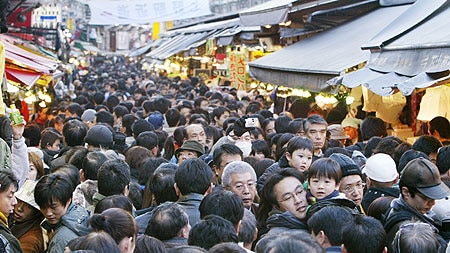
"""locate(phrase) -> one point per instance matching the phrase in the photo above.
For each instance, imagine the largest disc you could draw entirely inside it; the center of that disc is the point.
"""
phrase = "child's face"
(322, 187)
(300, 159)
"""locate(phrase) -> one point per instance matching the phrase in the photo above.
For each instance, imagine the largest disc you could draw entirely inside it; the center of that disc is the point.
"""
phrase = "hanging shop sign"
(237, 60)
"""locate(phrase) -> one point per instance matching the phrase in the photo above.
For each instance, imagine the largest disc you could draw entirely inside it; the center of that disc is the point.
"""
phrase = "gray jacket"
(73, 224)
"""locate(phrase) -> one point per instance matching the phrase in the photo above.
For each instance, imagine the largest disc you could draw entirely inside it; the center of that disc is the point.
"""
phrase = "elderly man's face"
(196, 132)
(243, 185)
(353, 188)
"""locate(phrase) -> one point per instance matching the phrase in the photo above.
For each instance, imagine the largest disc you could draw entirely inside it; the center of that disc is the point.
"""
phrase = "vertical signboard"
(237, 62)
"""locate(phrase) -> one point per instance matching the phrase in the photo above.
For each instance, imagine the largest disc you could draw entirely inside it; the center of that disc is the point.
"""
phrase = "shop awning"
(411, 52)
(272, 12)
(86, 46)
(22, 76)
(310, 63)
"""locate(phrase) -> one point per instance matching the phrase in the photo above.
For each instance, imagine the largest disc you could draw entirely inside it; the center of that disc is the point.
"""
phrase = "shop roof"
(309, 63)
(411, 52)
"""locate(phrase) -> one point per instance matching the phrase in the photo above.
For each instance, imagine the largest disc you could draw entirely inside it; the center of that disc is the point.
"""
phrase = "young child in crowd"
(324, 177)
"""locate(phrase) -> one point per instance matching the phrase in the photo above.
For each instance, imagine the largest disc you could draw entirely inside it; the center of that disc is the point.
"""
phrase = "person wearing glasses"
(352, 184)
(420, 186)
(283, 203)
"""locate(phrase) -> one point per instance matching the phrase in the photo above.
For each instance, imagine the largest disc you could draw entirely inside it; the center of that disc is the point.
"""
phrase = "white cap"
(381, 168)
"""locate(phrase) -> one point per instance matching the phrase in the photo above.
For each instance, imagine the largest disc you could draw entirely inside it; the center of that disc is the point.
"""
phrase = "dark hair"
(71, 172)
(32, 133)
(262, 165)
(112, 101)
(325, 168)
(218, 111)
(92, 163)
(75, 108)
(161, 186)
(366, 234)
(441, 125)
(299, 142)
(371, 144)
(212, 230)
(268, 198)
(149, 166)
(161, 104)
(372, 126)
(282, 124)
(117, 201)
(116, 222)
(187, 249)
(113, 176)
(120, 111)
(75, 156)
(300, 108)
(98, 242)
(260, 146)
(224, 204)
(227, 247)
(74, 131)
(332, 220)
(229, 149)
(228, 122)
(443, 159)
(193, 176)
(128, 121)
(296, 126)
(135, 195)
(427, 144)
(145, 244)
(48, 137)
(247, 228)
(104, 117)
(7, 178)
(53, 187)
(387, 145)
(166, 221)
(147, 139)
(379, 207)
(98, 98)
(336, 150)
(135, 157)
(408, 156)
(290, 242)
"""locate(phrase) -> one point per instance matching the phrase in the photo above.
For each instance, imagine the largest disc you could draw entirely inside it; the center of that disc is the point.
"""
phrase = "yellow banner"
(156, 30)
(237, 60)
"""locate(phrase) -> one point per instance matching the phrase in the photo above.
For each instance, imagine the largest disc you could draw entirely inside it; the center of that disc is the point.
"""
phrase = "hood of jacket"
(286, 220)
(75, 219)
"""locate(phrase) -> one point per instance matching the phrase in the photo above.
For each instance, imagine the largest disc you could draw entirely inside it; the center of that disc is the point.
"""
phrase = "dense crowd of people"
(124, 161)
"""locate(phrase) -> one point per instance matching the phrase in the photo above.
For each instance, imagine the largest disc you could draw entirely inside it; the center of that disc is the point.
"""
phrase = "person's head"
(36, 168)
(173, 117)
(224, 204)
(145, 244)
(220, 114)
(195, 132)
(380, 170)
(299, 153)
(328, 224)
(247, 228)
(53, 194)
(212, 230)
(168, 220)
(429, 145)
(387, 145)
(189, 149)
(372, 126)
(224, 155)
(289, 242)
(193, 176)
(366, 234)
(408, 156)
(74, 110)
(379, 207)
(160, 185)
(284, 191)
(71, 172)
(114, 201)
(141, 125)
(240, 178)
(113, 178)
(74, 132)
(351, 126)
(26, 208)
(439, 127)
(420, 185)
(91, 164)
(443, 160)
(100, 136)
(316, 130)
(352, 184)
(98, 242)
(119, 224)
(8, 187)
(324, 177)
(260, 149)
(105, 118)
(415, 238)
(282, 124)
(50, 140)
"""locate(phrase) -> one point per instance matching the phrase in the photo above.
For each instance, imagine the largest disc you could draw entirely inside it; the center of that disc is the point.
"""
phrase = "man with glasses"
(352, 184)
(420, 185)
(240, 178)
